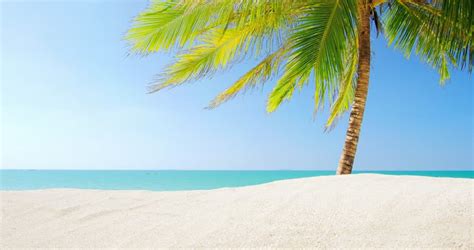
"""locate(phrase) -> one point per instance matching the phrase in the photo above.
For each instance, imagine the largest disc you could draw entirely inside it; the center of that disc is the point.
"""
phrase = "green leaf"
(318, 47)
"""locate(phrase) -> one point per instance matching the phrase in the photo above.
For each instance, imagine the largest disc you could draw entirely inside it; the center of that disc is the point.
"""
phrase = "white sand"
(335, 211)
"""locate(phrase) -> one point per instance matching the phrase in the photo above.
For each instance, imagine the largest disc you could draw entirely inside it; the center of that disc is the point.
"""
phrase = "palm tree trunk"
(358, 107)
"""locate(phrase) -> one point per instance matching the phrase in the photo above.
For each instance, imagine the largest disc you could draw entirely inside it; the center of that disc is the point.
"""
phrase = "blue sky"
(72, 98)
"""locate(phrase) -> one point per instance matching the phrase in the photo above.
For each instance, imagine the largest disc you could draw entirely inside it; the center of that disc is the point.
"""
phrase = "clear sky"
(72, 98)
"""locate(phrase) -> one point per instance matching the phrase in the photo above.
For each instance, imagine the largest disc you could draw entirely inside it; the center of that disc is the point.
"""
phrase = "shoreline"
(172, 180)
(219, 188)
(362, 210)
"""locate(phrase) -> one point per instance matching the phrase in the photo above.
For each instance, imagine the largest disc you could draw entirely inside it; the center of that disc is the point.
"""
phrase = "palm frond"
(257, 75)
(220, 46)
(456, 25)
(432, 32)
(171, 23)
(348, 82)
(318, 45)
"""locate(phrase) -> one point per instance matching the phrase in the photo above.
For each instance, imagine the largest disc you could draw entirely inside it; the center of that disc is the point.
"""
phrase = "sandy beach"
(364, 210)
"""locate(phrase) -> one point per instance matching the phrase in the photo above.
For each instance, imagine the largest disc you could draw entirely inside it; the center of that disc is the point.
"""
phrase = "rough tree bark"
(357, 112)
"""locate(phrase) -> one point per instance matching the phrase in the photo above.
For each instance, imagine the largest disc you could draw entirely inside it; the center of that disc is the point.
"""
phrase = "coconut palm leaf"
(168, 24)
(247, 31)
(433, 32)
(348, 81)
(257, 75)
(318, 45)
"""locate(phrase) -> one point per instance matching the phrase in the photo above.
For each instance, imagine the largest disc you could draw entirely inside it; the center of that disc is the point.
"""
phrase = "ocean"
(168, 180)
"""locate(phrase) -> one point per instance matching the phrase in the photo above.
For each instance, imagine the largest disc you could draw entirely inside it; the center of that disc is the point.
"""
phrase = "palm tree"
(324, 42)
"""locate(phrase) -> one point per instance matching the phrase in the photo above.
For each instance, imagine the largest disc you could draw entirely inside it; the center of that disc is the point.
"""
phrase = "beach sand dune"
(363, 210)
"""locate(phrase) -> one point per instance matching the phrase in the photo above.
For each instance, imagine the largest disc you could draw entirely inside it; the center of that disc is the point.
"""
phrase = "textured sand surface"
(335, 211)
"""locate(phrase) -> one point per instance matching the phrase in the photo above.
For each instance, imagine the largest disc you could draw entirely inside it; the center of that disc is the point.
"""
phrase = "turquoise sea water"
(168, 180)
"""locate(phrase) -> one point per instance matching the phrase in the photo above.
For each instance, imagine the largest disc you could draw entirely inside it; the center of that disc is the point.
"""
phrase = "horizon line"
(322, 170)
